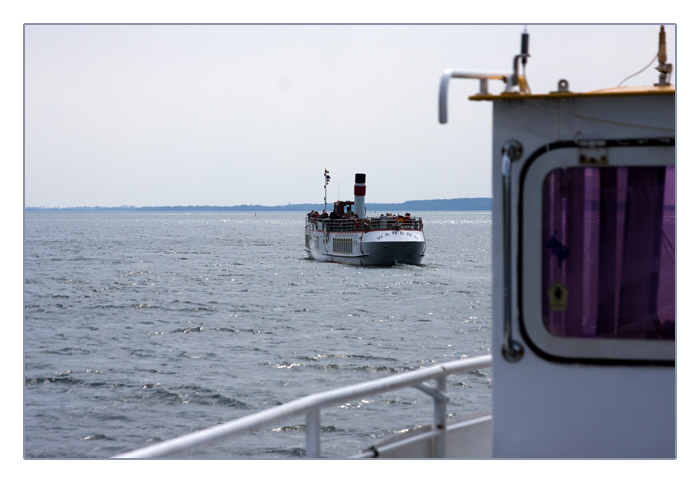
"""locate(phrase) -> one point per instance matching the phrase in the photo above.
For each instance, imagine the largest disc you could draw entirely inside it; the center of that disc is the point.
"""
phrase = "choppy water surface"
(140, 327)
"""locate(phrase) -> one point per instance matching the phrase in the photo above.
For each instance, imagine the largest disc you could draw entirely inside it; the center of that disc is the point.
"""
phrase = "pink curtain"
(609, 252)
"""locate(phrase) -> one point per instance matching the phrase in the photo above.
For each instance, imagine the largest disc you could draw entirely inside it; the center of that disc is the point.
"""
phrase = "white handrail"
(450, 73)
(306, 405)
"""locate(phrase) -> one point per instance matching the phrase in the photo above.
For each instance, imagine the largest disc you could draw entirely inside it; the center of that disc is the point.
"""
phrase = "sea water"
(140, 327)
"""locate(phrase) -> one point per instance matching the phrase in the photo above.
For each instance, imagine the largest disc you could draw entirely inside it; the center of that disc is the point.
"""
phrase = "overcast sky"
(152, 115)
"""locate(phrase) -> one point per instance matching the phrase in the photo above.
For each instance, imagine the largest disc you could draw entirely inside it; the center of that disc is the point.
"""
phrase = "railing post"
(441, 418)
(313, 433)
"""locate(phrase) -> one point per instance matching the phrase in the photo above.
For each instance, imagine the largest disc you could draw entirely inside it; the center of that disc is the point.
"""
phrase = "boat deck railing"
(310, 406)
(366, 224)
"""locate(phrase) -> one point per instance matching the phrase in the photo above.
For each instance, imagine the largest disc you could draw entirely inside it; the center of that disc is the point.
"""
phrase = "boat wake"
(317, 255)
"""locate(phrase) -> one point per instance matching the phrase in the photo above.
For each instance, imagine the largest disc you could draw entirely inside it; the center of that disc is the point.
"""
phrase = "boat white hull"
(372, 248)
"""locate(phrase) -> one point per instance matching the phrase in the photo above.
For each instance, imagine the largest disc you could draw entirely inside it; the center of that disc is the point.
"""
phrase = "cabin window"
(609, 252)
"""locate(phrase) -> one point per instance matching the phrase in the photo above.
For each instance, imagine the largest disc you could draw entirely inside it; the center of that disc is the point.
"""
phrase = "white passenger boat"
(583, 340)
(347, 235)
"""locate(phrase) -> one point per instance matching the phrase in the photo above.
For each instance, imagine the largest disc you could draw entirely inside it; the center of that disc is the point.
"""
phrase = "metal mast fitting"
(516, 80)
(663, 68)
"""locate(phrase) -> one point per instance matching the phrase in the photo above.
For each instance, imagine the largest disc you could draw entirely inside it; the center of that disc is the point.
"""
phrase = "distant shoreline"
(457, 204)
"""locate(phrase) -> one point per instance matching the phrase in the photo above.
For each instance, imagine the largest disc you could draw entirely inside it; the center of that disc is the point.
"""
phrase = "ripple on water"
(188, 320)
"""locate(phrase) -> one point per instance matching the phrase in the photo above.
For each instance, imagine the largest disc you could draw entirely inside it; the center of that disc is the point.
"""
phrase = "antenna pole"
(516, 80)
(663, 68)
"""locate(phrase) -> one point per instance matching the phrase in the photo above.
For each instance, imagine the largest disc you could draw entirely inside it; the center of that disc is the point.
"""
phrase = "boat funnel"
(360, 194)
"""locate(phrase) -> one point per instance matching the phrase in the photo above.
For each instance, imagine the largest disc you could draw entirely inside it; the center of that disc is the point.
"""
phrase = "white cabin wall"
(547, 409)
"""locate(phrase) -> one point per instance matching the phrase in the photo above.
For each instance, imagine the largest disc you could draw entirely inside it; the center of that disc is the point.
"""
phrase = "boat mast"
(327, 179)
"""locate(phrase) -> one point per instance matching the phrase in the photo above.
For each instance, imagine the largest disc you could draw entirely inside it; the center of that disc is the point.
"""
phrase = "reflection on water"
(140, 327)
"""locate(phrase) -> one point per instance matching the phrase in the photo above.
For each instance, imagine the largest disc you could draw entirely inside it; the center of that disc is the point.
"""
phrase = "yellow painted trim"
(612, 92)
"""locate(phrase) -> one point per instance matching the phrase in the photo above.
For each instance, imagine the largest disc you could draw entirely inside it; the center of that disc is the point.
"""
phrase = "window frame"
(571, 154)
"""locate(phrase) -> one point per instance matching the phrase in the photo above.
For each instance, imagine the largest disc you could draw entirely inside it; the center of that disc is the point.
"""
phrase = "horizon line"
(134, 207)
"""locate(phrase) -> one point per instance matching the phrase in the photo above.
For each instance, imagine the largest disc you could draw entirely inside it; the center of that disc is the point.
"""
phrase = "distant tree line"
(457, 204)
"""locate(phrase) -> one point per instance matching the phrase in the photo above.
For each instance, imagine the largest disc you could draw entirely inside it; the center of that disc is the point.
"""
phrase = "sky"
(156, 115)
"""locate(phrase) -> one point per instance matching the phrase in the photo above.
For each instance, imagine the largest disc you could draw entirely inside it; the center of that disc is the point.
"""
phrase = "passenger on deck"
(324, 214)
(334, 215)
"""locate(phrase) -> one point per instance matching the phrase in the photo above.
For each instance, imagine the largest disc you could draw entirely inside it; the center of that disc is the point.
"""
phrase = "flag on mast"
(327, 178)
